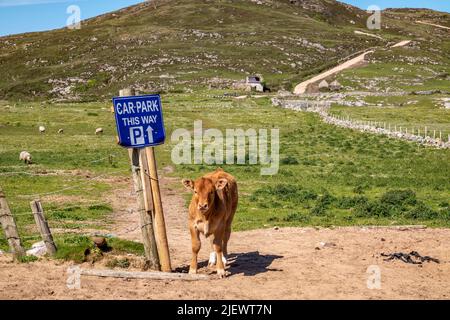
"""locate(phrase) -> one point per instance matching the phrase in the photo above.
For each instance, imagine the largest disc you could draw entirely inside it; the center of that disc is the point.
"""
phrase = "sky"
(19, 16)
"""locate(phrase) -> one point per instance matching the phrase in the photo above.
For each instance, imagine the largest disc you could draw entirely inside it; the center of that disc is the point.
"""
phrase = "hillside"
(180, 45)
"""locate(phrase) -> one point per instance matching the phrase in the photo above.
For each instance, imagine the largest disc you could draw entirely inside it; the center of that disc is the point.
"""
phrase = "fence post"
(10, 228)
(148, 236)
(160, 225)
(39, 218)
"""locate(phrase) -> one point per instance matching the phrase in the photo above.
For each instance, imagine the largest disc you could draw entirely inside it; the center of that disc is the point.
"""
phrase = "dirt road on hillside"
(289, 263)
(433, 24)
(358, 60)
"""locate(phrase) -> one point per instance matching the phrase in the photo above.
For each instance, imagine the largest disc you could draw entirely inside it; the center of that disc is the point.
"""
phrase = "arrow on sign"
(150, 134)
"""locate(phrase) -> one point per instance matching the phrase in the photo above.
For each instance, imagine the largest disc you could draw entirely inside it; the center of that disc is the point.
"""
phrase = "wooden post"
(160, 225)
(10, 228)
(39, 218)
(425, 132)
(137, 157)
(434, 134)
(148, 236)
(154, 208)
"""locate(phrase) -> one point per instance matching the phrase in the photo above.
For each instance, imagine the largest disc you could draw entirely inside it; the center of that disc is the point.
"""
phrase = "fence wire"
(28, 213)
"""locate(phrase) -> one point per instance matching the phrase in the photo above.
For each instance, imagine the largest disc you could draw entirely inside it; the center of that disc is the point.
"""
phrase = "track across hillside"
(301, 88)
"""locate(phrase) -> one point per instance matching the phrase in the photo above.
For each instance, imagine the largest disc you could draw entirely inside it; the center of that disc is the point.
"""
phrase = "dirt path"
(289, 263)
(433, 24)
(358, 60)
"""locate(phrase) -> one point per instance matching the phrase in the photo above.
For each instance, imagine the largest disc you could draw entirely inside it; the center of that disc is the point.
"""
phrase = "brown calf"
(211, 212)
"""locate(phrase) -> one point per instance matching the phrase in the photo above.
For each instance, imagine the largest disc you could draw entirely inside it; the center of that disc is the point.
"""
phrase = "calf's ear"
(221, 183)
(188, 184)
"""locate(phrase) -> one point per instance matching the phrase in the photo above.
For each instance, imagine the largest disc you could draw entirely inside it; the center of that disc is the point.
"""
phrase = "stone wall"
(322, 108)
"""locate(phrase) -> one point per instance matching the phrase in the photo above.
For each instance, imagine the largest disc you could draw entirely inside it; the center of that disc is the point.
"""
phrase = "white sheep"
(25, 156)
(99, 131)
(61, 131)
(41, 129)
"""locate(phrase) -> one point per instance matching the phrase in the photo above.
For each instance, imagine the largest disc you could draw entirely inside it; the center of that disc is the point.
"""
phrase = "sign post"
(140, 125)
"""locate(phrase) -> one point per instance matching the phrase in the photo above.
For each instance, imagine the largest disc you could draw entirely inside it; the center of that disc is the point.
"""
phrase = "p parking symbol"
(137, 135)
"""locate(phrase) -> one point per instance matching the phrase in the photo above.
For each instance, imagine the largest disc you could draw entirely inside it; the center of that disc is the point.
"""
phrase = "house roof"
(253, 79)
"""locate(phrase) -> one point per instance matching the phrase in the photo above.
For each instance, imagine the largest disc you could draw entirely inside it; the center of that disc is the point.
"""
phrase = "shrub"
(289, 160)
(399, 197)
(421, 211)
(350, 202)
(297, 217)
(322, 203)
(359, 189)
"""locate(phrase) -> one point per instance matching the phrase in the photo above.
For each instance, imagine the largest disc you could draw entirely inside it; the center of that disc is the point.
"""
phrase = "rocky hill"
(181, 45)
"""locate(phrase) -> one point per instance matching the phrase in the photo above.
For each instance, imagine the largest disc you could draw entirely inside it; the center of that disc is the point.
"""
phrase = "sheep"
(25, 156)
(41, 129)
(99, 131)
(60, 131)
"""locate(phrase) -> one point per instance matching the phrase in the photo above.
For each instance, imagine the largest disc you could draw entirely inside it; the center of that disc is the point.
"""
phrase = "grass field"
(328, 175)
(408, 112)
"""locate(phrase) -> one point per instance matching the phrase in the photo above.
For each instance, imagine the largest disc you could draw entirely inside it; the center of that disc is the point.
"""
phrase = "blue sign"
(139, 121)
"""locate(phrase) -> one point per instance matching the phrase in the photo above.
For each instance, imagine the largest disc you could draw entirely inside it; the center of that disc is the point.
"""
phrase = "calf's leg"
(196, 244)
(213, 256)
(218, 249)
(226, 239)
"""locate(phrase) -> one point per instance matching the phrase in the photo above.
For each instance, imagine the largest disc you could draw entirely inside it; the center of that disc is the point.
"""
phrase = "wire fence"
(72, 209)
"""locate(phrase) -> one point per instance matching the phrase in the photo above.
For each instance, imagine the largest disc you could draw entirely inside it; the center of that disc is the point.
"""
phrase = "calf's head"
(204, 192)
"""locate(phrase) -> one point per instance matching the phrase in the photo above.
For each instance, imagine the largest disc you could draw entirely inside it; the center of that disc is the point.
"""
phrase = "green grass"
(317, 159)
(72, 247)
(318, 162)
(408, 112)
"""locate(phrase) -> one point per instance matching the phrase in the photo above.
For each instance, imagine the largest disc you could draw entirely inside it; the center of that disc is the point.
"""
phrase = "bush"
(297, 217)
(421, 211)
(375, 209)
(281, 195)
(399, 197)
(322, 203)
(289, 160)
(359, 189)
(350, 202)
